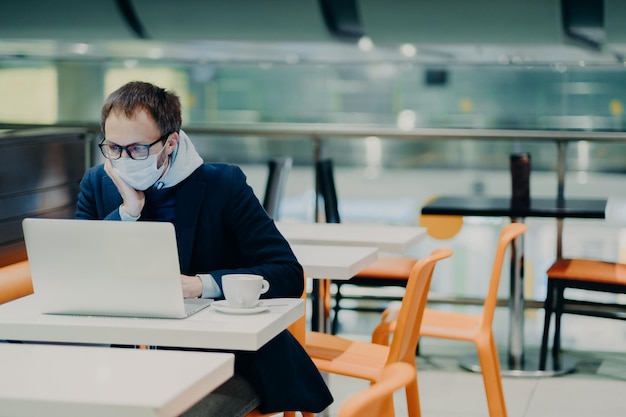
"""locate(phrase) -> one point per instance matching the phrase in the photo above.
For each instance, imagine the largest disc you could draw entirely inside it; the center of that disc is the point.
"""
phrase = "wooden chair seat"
(588, 270)
(389, 267)
(386, 270)
(348, 357)
(583, 274)
(389, 271)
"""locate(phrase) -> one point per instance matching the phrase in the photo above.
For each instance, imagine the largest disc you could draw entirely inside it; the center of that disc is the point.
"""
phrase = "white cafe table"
(208, 329)
(77, 381)
(397, 239)
(334, 262)
(325, 262)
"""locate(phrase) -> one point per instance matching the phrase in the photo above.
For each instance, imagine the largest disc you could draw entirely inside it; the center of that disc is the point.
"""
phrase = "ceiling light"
(155, 53)
(408, 50)
(80, 48)
(131, 63)
(504, 60)
(406, 120)
(365, 44)
(292, 59)
(373, 150)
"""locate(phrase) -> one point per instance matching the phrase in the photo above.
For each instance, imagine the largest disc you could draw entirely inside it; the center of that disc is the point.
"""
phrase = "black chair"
(326, 190)
(279, 169)
(583, 274)
(385, 272)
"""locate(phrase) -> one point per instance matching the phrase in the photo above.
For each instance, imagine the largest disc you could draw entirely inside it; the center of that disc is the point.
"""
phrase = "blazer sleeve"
(95, 199)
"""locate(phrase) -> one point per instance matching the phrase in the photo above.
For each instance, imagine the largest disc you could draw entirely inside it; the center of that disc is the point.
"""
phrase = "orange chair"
(438, 226)
(394, 270)
(371, 401)
(583, 274)
(15, 281)
(476, 328)
(367, 361)
(387, 271)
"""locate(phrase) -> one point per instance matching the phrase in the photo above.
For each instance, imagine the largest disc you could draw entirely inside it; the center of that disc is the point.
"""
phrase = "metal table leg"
(320, 317)
(516, 304)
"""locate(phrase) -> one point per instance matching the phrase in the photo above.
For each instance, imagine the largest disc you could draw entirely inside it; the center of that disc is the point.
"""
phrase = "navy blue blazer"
(222, 228)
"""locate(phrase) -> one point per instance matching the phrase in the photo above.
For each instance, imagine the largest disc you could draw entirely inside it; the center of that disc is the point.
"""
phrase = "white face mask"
(139, 174)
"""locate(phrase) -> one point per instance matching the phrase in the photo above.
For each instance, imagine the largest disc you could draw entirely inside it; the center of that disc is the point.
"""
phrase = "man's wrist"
(130, 215)
(210, 289)
(199, 288)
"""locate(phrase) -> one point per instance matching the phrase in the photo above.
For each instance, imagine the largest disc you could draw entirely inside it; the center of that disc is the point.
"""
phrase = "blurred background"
(409, 98)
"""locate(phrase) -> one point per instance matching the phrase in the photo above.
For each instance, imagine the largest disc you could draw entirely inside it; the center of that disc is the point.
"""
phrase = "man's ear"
(171, 142)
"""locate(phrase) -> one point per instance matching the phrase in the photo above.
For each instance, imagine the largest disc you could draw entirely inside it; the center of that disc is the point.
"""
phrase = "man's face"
(139, 129)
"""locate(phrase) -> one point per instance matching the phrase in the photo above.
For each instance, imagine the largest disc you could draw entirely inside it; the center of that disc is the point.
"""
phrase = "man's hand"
(192, 286)
(133, 200)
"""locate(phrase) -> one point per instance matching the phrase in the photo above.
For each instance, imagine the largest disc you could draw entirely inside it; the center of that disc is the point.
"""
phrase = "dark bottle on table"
(520, 178)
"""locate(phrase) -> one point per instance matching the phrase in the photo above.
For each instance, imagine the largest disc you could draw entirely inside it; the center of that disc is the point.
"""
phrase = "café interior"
(405, 104)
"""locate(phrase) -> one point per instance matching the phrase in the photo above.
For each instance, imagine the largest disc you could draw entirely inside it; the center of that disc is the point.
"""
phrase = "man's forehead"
(138, 124)
(131, 114)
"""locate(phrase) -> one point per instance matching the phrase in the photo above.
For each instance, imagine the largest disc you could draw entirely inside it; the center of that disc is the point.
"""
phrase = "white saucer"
(223, 307)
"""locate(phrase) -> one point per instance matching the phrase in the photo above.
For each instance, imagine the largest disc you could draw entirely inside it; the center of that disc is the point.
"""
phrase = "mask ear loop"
(161, 184)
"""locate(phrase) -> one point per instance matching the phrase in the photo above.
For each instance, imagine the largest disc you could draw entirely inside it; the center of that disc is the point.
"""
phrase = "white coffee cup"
(244, 290)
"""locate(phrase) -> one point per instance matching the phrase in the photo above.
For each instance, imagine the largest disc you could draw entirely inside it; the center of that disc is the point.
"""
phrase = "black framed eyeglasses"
(134, 151)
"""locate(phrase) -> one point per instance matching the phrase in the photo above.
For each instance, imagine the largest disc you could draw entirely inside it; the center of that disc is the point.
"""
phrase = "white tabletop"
(74, 381)
(386, 238)
(334, 262)
(21, 320)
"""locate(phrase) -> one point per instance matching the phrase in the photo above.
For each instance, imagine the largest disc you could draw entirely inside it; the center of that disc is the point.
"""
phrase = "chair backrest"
(325, 182)
(371, 401)
(409, 321)
(507, 235)
(276, 181)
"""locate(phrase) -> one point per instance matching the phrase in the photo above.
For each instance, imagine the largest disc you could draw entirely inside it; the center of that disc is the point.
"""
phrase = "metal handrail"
(326, 130)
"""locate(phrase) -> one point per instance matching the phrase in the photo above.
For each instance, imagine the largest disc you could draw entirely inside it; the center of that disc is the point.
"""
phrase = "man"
(152, 172)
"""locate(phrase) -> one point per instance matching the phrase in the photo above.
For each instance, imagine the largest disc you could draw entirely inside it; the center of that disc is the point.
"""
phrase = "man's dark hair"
(162, 105)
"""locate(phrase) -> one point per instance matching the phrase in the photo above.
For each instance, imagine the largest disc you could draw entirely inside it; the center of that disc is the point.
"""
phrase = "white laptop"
(106, 268)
